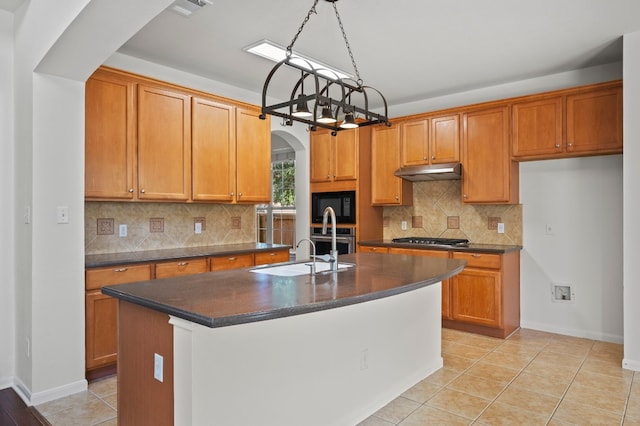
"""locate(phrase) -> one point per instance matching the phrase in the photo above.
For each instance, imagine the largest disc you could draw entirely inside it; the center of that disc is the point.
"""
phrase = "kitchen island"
(249, 347)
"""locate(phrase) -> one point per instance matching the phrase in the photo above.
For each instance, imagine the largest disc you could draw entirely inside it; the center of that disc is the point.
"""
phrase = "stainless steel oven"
(345, 240)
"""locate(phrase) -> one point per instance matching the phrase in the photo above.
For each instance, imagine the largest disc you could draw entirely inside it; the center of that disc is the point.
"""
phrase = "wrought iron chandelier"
(335, 103)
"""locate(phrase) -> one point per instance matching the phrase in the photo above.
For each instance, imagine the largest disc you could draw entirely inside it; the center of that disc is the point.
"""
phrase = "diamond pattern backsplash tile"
(152, 226)
(444, 215)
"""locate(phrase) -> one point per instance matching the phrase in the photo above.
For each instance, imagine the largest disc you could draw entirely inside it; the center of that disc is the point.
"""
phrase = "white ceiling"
(407, 49)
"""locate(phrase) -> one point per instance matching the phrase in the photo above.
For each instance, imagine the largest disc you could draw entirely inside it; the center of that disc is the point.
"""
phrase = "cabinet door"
(444, 140)
(489, 175)
(214, 150)
(181, 267)
(594, 121)
(253, 156)
(476, 297)
(109, 137)
(101, 334)
(387, 189)
(537, 127)
(415, 142)
(320, 160)
(345, 155)
(164, 144)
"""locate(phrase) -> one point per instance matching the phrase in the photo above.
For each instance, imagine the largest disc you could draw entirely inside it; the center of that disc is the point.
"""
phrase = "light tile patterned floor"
(532, 378)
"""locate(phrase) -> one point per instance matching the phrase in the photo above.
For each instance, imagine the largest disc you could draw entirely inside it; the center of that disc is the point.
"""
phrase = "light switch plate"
(63, 214)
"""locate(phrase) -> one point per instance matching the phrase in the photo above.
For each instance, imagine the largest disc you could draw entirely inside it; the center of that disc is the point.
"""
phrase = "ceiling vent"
(187, 7)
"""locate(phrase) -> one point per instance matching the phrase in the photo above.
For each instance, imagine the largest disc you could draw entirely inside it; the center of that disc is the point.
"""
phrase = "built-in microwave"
(343, 203)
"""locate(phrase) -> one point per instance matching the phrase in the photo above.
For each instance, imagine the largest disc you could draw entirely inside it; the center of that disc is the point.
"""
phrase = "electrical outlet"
(122, 230)
(158, 362)
(548, 229)
(500, 228)
(198, 228)
(562, 293)
(403, 225)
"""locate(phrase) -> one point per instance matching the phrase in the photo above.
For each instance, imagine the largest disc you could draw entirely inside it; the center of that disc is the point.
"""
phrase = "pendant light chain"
(346, 42)
(344, 36)
(304, 22)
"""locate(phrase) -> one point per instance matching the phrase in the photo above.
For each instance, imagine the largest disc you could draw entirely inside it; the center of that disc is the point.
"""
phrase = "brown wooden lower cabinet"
(181, 267)
(484, 298)
(273, 256)
(101, 313)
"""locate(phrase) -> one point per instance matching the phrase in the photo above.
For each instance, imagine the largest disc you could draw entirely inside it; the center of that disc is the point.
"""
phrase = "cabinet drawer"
(419, 252)
(181, 267)
(221, 263)
(278, 256)
(99, 277)
(369, 249)
(479, 260)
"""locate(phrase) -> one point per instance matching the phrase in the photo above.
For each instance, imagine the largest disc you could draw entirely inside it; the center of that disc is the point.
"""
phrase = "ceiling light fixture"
(334, 95)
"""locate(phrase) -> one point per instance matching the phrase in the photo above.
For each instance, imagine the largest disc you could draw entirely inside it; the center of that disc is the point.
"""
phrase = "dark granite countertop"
(111, 259)
(473, 248)
(225, 298)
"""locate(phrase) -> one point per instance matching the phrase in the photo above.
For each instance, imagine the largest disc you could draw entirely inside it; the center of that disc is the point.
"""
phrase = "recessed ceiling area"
(409, 50)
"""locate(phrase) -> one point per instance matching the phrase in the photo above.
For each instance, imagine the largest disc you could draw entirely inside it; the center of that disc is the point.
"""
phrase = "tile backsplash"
(437, 211)
(152, 226)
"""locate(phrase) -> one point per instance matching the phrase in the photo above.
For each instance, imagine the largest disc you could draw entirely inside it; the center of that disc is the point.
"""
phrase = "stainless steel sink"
(301, 268)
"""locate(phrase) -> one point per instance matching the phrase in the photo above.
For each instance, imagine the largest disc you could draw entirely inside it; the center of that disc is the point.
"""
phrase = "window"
(276, 222)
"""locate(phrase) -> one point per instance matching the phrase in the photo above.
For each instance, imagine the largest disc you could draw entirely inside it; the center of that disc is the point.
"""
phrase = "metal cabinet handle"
(232, 258)
(476, 255)
(142, 190)
(183, 263)
(397, 197)
(433, 157)
(557, 145)
(465, 196)
(569, 144)
(239, 194)
(130, 189)
(120, 270)
(232, 194)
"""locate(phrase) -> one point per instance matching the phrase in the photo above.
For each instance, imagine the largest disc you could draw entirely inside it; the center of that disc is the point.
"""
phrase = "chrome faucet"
(333, 254)
(313, 263)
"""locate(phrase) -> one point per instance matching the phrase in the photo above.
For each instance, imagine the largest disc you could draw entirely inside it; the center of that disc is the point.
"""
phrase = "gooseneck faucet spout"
(313, 246)
(334, 251)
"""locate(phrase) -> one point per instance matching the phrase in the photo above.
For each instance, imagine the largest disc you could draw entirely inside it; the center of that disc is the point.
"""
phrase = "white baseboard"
(5, 382)
(586, 334)
(59, 392)
(37, 398)
(631, 364)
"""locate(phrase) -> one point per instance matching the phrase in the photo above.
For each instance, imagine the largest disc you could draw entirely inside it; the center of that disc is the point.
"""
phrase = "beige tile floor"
(531, 378)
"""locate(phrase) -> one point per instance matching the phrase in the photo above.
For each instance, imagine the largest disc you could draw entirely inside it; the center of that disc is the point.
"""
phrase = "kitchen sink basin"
(295, 269)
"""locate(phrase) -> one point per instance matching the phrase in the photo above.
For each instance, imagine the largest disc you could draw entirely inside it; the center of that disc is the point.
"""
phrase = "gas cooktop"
(433, 241)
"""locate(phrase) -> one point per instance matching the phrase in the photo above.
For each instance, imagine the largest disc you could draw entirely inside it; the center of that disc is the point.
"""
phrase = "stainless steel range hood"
(447, 171)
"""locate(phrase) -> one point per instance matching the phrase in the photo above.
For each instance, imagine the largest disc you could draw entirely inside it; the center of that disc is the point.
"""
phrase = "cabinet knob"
(433, 157)
(142, 190)
(569, 144)
(397, 197)
(557, 145)
(328, 177)
(239, 194)
(424, 158)
(464, 196)
(232, 194)
(130, 189)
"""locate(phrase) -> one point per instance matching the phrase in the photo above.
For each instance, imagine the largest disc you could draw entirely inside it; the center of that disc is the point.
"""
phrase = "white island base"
(331, 367)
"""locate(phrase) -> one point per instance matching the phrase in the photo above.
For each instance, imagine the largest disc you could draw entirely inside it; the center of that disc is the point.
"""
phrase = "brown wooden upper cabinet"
(164, 144)
(147, 140)
(489, 175)
(334, 158)
(231, 153)
(253, 156)
(430, 140)
(387, 189)
(575, 122)
(110, 144)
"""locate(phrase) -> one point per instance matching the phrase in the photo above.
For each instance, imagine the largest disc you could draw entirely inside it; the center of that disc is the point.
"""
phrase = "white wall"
(631, 180)
(7, 278)
(581, 199)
